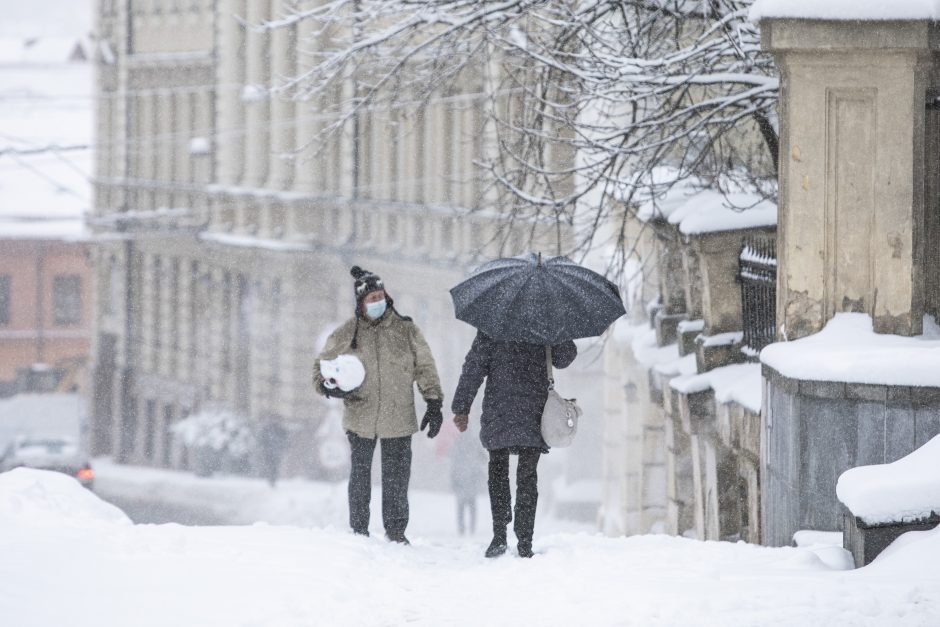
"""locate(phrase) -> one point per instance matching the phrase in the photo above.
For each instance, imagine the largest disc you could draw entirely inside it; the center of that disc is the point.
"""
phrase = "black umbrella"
(526, 299)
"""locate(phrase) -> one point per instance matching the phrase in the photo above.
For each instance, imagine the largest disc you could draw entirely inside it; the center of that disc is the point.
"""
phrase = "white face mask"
(375, 310)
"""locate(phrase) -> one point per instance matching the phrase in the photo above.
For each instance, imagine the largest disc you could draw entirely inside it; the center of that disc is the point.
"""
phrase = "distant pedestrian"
(516, 389)
(467, 478)
(395, 356)
(272, 441)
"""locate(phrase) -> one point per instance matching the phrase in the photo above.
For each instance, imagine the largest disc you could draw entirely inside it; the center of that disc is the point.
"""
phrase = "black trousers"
(527, 492)
(396, 472)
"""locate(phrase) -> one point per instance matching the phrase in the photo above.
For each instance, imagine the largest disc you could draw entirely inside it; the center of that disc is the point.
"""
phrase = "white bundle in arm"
(345, 372)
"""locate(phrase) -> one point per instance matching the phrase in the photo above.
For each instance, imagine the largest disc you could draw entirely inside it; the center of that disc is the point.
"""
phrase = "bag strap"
(548, 367)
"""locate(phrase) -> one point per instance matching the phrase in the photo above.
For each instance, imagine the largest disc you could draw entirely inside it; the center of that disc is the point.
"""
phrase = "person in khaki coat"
(395, 356)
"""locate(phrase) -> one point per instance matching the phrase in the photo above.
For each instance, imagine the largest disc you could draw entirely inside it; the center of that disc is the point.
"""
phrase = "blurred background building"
(45, 265)
(224, 234)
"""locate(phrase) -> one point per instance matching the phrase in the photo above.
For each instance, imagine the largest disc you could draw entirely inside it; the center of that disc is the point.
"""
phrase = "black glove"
(333, 392)
(433, 417)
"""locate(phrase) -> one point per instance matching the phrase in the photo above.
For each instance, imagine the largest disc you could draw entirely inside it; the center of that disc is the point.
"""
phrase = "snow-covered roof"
(848, 349)
(847, 9)
(905, 490)
(43, 50)
(55, 18)
(46, 103)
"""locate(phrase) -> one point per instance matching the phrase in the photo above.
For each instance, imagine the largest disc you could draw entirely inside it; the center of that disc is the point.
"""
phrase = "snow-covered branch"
(585, 98)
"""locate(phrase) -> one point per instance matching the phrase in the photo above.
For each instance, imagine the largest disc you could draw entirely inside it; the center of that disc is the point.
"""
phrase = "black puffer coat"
(516, 389)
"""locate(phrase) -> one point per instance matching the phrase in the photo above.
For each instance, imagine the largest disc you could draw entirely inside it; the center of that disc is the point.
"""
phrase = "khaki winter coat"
(395, 356)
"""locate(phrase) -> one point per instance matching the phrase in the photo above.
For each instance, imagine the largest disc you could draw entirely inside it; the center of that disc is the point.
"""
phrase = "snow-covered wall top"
(848, 350)
(847, 9)
(905, 490)
(709, 211)
(740, 383)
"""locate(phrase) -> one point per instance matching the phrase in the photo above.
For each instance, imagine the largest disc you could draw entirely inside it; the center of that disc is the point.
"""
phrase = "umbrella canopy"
(527, 299)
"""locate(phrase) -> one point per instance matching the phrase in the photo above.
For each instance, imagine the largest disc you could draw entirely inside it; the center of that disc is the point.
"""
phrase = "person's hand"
(461, 420)
(332, 392)
(433, 418)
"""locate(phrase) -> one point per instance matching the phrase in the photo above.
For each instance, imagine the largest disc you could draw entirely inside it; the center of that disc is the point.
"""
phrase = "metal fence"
(757, 274)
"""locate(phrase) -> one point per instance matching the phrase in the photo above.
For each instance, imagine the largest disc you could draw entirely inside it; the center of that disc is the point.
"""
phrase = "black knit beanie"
(366, 282)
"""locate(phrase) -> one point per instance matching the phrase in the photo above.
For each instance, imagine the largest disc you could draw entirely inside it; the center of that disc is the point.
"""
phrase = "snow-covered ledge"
(885, 501)
(846, 9)
(848, 350)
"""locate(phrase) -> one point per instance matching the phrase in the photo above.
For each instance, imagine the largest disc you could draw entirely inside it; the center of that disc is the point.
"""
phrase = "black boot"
(525, 549)
(527, 497)
(498, 546)
(397, 537)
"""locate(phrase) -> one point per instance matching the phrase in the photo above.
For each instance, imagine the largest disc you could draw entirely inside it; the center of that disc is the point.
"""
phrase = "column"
(256, 96)
(283, 129)
(852, 107)
(230, 113)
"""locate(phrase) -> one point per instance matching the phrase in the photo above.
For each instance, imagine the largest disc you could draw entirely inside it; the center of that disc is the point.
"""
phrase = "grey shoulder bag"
(560, 416)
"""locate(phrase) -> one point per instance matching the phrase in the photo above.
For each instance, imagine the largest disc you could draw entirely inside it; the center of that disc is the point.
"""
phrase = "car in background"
(48, 453)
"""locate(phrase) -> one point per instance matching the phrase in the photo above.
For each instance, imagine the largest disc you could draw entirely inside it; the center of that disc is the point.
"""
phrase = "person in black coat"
(513, 400)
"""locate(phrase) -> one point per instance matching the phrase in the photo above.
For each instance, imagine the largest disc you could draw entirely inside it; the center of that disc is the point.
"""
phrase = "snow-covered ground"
(232, 500)
(70, 559)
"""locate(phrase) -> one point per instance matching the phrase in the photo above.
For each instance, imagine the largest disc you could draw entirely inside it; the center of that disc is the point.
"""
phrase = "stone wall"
(816, 430)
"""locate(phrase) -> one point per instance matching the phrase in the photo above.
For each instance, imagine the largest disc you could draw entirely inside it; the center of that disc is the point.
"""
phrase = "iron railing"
(757, 274)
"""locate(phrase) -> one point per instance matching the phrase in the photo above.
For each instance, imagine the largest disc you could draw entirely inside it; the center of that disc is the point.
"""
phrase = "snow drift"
(42, 497)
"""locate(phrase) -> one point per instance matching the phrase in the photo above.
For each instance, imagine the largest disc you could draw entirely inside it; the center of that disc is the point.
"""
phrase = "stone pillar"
(306, 122)
(283, 129)
(231, 77)
(853, 226)
(165, 147)
(256, 96)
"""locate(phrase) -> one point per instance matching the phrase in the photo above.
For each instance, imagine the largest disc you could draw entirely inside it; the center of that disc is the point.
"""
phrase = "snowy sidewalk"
(70, 559)
(234, 500)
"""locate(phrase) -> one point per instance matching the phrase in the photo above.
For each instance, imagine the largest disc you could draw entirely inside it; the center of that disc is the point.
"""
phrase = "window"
(5, 299)
(67, 299)
(151, 416)
(174, 313)
(226, 305)
(115, 286)
(156, 305)
(167, 434)
(276, 332)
